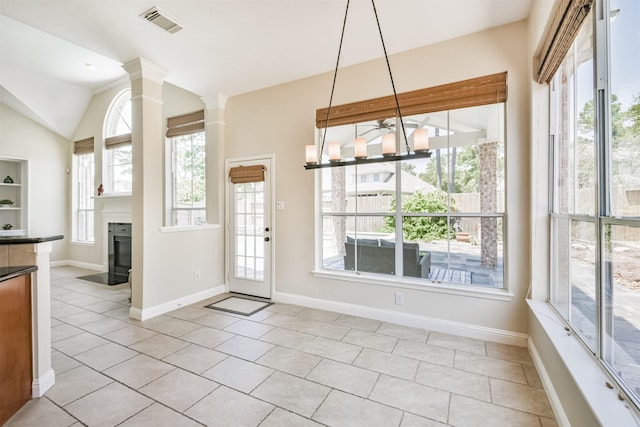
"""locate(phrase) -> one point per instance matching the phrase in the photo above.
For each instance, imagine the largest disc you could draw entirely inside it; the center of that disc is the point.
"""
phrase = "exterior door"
(250, 246)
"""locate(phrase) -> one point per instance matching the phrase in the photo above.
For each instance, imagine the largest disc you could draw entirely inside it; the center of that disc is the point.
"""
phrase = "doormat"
(239, 305)
(102, 278)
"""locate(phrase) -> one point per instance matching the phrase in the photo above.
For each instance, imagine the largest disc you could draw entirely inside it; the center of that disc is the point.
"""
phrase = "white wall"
(280, 120)
(48, 155)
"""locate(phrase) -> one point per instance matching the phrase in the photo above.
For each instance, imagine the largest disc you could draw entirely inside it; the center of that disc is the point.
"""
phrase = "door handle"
(266, 239)
(266, 229)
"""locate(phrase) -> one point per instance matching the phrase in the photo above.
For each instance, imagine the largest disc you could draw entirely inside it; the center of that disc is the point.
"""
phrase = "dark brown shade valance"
(244, 174)
(185, 124)
(117, 141)
(468, 93)
(84, 146)
(561, 30)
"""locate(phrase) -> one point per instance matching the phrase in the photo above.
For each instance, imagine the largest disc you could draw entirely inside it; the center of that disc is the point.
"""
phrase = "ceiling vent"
(162, 20)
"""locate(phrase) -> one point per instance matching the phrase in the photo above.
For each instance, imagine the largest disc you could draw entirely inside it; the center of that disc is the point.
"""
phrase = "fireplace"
(119, 252)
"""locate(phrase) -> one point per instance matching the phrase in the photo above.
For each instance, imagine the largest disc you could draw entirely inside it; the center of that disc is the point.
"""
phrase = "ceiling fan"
(389, 125)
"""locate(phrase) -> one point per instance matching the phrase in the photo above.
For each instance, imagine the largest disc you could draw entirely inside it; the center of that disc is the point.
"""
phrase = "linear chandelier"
(420, 136)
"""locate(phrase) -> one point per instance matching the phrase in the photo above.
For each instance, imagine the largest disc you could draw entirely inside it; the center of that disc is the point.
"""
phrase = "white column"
(43, 375)
(147, 141)
(214, 116)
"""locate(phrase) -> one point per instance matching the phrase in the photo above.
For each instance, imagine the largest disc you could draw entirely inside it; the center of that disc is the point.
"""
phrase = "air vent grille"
(162, 20)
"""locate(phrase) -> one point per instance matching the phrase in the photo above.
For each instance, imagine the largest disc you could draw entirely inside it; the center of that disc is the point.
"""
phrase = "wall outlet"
(196, 275)
(399, 298)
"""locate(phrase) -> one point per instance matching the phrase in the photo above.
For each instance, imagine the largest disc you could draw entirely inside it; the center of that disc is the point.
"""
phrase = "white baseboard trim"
(89, 266)
(554, 400)
(168, 306)
(39, 386)
(407, 319)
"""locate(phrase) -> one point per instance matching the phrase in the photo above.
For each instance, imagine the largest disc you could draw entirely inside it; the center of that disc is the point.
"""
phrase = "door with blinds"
(249, 227)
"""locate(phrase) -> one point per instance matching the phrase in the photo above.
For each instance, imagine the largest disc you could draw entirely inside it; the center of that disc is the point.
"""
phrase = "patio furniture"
(378, 256)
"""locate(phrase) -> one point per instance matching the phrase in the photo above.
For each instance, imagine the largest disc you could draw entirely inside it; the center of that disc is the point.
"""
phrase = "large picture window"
(430, 221)
(84, 167)
(595, 218)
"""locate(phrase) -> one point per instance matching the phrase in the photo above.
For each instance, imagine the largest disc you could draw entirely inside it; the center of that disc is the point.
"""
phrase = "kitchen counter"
(7, 273)
(17, 240)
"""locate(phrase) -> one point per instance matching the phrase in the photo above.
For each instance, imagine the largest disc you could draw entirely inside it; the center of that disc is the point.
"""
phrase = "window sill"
(112, 195)
(82, 243)
(179, 228)
(588, 375)
(421, 285)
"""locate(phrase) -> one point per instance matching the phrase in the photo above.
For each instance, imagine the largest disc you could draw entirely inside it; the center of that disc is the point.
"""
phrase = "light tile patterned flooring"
(284, 366)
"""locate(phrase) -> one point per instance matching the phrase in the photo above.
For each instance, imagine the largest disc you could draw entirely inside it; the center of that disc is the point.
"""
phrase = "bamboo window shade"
(485, 90)
(117, 141)
(185, 124)
(244, 174)
(560, 33)
(83, 146)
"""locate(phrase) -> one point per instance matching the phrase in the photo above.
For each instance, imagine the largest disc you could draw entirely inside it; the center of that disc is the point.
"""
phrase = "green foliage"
(467, 170)
(424, 228)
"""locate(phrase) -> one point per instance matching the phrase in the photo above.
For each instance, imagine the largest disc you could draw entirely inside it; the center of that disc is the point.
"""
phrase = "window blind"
(83, 146)
(185, 124)
(561, 30)
(117, 141)
(485, 90)
(244, 174)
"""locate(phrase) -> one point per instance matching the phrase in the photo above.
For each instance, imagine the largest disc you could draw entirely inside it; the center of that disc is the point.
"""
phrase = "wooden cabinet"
(15, 345)
(13, 191)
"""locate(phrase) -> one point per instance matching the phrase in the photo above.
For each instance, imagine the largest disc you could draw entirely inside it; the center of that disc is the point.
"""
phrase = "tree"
(424, 228)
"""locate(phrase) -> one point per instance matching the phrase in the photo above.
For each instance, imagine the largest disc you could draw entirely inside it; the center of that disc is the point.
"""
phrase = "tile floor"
(284, 366)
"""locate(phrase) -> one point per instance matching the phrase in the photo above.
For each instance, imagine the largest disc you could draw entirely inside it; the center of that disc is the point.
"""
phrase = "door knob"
(266, 229)
(266, 239)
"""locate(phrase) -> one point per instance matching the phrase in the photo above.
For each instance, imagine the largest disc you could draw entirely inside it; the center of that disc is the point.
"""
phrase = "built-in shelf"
(16, 214)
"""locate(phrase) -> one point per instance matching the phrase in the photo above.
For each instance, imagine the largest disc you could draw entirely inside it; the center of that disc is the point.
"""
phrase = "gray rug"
(240, 305)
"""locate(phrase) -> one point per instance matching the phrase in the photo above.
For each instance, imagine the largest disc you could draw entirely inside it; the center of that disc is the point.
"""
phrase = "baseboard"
(39, 386)
(414, 320)
(554, 400)
(168, 306)
(88, 266)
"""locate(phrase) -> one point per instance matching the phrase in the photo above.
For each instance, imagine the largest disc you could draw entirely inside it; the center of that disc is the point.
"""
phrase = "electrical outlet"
(399, 298)
(196, 275)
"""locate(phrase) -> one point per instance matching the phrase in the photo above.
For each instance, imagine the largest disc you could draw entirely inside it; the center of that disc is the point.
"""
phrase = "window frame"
(112, 128)
(172, 208)
(89, 226)
(398, 278)
(602, 218)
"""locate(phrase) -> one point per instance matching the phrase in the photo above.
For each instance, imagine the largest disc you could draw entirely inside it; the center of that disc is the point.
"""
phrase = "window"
(117, 137)
(83, 191)
(188, 179)
(595, 218)
(188, 169)
(436, 220)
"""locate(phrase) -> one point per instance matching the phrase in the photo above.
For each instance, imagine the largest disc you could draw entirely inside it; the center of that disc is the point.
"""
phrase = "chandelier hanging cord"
(335, 74)
(393, 86)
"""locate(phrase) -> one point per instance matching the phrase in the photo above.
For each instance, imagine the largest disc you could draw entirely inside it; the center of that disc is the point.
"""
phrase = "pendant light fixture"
(421, 137)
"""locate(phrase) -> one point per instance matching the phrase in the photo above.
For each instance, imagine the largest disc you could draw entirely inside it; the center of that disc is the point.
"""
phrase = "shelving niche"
(15, 214)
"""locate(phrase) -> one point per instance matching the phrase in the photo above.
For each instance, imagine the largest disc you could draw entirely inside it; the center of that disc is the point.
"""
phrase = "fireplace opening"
(119, 252)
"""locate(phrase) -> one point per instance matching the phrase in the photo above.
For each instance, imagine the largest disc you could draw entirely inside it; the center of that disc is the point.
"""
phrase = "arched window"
(117, 141)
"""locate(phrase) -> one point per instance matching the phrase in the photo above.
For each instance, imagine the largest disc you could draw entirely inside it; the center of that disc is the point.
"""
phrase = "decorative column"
(488, 204)
(214, 128)
(147, 141)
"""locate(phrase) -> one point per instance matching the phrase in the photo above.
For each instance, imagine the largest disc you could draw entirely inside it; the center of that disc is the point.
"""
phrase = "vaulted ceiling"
(226, 46)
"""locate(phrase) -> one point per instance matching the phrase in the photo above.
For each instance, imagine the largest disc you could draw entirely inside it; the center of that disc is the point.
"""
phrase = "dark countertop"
(7, 273)
(16, 240)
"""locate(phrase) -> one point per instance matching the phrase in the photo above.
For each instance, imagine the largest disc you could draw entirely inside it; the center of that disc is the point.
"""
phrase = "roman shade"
(185, 124)
(489, 89)
(83, 146)
(561, 30)
(244, 174)
(117, 141)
